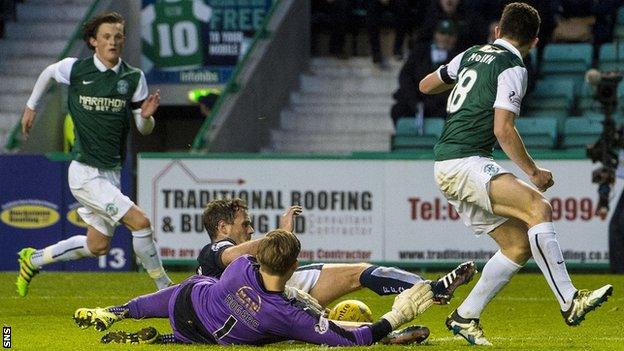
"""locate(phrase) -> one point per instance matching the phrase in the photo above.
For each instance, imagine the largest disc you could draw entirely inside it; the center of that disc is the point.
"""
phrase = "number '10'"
(184, 39)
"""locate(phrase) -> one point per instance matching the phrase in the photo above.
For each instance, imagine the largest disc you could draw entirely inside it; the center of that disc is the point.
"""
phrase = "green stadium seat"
(538, 132)
(553, 95)
(586, 89)
(566, 59)
(533, 54)
(587, 104)
(408, 138)
(545, 113)
(610, 60)
(585, 101)
(582, 131)
(559, 116)
(599, 115)
(618, 32)
(620, 93)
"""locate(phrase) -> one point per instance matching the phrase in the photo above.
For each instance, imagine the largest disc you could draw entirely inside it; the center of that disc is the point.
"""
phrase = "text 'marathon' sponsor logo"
(29, 214)
(103, 104)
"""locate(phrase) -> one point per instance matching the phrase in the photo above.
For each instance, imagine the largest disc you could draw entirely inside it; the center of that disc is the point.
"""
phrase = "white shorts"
(98, 191)
(305, 277)
(465, 183)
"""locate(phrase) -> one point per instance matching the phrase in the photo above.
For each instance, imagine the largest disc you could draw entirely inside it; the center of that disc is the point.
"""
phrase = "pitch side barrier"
(37, 209)
(363, 207)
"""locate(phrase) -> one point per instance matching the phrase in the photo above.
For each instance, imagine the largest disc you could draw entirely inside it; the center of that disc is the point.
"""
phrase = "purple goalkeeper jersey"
(237, 309)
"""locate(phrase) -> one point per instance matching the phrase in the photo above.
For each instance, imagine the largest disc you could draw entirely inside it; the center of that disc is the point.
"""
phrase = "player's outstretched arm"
(300, 324)
(59, 71)
(511, 143)
(432, 84)
(41, 85)
(251, 247)
(143, 117)
(28, 119)
(287, 220)
(150, 105)
(409, 304)
(233, 252)
(442, 79)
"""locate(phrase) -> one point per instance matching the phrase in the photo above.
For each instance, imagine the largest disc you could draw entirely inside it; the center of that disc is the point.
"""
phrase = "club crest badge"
(122, 87)
(111, 209)
(491, 169)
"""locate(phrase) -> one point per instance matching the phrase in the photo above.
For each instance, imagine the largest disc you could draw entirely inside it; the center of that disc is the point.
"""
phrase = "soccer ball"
(352, 311)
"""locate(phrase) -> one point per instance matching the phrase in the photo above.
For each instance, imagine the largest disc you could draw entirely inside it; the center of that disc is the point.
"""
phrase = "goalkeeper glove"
(409, 304)
(302, 296)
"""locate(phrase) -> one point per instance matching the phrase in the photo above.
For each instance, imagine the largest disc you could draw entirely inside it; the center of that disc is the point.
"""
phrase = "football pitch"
(524, 316)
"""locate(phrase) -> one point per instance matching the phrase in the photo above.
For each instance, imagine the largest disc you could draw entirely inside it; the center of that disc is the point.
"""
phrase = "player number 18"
(465, 81)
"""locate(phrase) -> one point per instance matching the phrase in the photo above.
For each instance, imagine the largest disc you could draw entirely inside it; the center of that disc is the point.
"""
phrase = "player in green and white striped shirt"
(488, 83)
(104, 94)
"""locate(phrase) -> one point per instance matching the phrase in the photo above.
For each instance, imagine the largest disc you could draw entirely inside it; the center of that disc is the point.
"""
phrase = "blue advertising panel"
(31, 195)
(37, 210)
(197, 41)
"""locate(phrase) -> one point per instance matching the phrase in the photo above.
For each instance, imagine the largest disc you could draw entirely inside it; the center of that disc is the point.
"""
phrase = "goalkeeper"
(251, 305)
(228, 225)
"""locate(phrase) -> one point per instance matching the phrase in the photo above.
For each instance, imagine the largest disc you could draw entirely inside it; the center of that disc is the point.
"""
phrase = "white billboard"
(342, 201)
(354, 210)
(421, 226)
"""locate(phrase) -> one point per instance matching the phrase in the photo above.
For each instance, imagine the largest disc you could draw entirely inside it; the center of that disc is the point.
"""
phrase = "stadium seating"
(618, 31)
(582, 131)
(617, 115)
(538, 132)
(546, 121)
(558, 116)
(554, 95)
(533, 54)
(408, 138)
(610, 59)
(570, 60)
(586, 102)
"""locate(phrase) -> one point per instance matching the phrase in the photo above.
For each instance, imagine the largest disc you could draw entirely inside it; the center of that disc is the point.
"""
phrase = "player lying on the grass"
(228, 225)
(248, 305)
(489, 83)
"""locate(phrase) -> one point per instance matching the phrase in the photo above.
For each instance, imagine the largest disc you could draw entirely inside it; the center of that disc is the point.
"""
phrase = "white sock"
(66, 250)
(548, 256)
(146, 251)
(496, 274)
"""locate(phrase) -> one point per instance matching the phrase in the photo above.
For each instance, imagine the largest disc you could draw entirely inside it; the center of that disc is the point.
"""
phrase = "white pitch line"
(522, 338)
(47, 297)
(544, 298)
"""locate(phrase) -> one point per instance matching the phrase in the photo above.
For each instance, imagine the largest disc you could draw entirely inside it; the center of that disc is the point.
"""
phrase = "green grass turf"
(524, 316)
